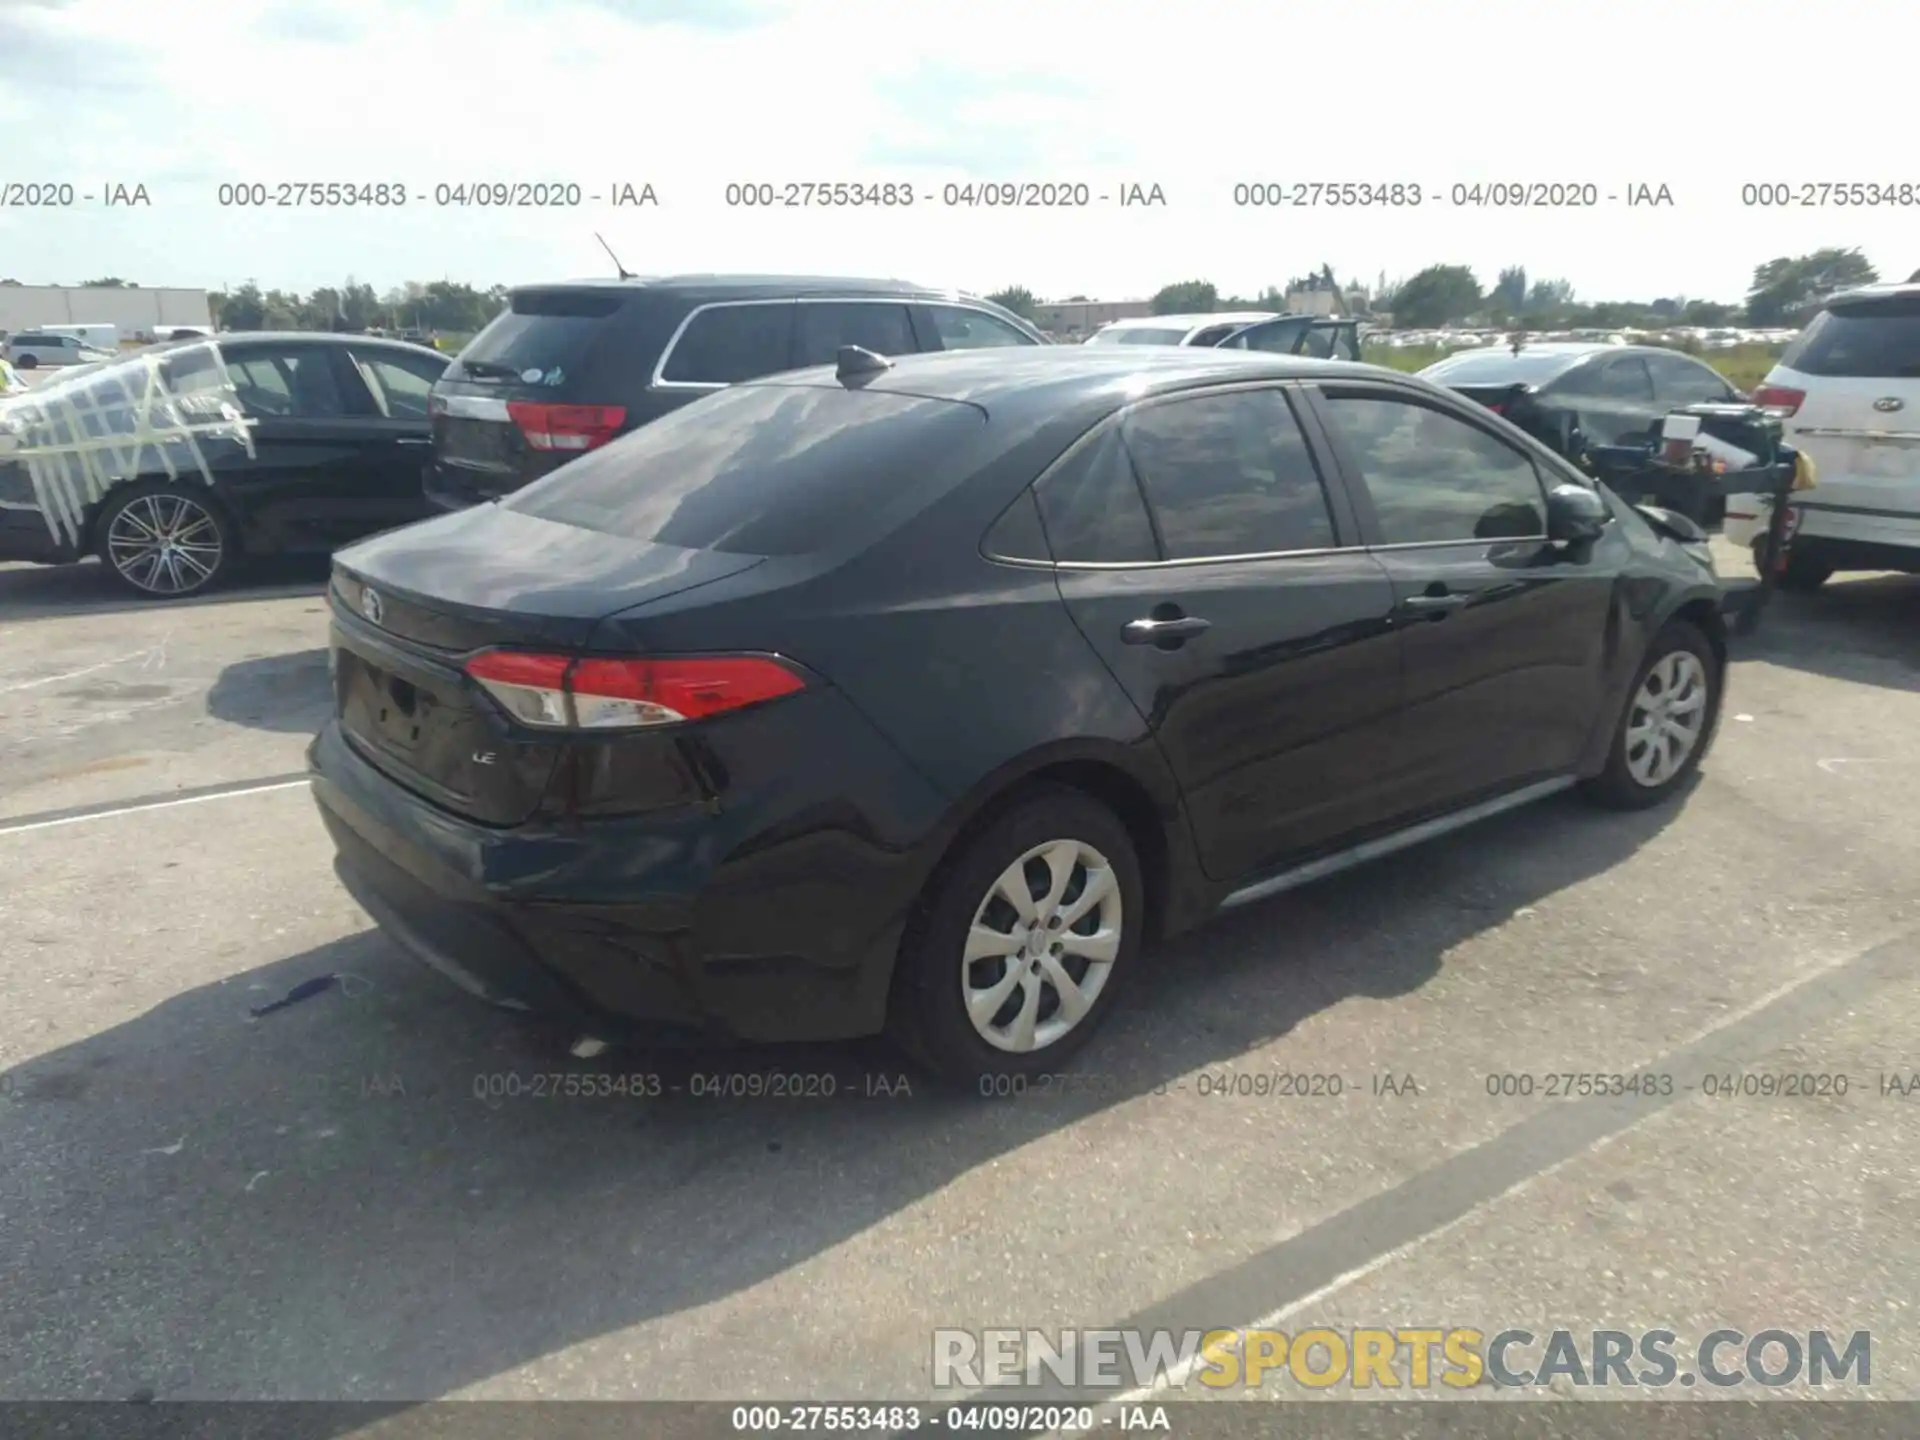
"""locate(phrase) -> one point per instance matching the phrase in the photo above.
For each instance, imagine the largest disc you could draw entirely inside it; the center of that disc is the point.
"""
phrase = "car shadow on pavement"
(1865, 630)
(344, 1199)
(290, 693)
(33, 592)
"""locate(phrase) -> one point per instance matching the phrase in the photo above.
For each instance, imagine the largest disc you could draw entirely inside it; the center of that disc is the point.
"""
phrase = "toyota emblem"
(370, 605)
(1887, 404)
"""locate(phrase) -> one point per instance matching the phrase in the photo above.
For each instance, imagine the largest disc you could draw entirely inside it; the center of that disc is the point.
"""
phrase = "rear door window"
(1680, 381)
(1229, 475)
(545, 337)
(962, 329)
(726, 344)
(762, 470)
(826, 326)
(287, 382)
(1867, 340)
(1092, 507)
(400, 384)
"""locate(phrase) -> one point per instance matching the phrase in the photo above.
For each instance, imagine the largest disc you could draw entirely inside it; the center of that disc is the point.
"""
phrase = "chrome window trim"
(906, 302)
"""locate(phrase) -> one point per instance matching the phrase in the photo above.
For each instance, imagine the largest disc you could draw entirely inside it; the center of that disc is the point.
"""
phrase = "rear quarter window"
(1877, 340)
(764, 470)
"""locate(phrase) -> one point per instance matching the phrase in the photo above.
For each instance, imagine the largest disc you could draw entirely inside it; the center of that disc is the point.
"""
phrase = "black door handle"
(1167, 633)
(1432, 607)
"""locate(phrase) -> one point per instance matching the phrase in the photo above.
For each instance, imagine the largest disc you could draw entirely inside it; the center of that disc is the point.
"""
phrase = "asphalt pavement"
(340, 1199)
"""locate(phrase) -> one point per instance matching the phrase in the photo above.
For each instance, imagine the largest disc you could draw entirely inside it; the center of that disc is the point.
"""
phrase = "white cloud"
(689, 94)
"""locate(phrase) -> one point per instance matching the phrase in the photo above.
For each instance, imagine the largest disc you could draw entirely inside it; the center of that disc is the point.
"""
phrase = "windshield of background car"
(1139, 335)
(761, 470)
(542, 339)
(1872, 339)
(1498, 365)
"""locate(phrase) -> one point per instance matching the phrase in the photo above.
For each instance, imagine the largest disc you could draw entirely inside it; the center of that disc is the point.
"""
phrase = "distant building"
(1312, 302)
(134, 309)
(1077, 319)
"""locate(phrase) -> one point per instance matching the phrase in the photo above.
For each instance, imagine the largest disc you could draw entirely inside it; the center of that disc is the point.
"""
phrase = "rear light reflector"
(559, 692)
(1780, 399)
(566, 427)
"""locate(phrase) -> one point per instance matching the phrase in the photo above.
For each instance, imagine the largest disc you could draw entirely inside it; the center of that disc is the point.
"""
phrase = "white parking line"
(21, 828)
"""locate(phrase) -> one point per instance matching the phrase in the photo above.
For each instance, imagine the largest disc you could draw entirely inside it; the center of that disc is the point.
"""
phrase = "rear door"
(397, 440)
(1502, 631)
(1854, 378)
(1219, 578)
(307, 479)
(959, 327)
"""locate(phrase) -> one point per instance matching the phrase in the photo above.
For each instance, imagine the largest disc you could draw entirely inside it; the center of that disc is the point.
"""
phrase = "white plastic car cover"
(161, 414)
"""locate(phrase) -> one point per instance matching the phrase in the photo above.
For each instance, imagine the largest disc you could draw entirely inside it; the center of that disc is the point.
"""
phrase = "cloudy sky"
(689, 95)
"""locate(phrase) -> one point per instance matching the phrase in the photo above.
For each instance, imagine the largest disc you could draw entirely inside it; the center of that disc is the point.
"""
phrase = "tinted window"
(1869, 341)
(731, 343)
(290, 382)
(400, 384)
(1092, 506)
(1212, 335)
(1229, 475)
(1434, 477)
(546, 331)
(824, 328)
(762, 470)
(1680, 381)
(963, 329)
(1624, 378)
(1275, 339)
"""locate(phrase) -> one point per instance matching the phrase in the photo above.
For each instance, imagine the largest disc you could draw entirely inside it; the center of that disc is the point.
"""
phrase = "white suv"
(1848, 392)
(32, 349)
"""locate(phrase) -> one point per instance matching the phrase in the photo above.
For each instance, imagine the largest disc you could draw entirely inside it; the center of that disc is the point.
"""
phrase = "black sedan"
(173, 462)
(1577, 394)
(915, 696)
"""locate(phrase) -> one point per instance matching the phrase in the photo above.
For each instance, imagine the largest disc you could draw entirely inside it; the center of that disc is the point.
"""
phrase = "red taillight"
(566, 427)
(1780, 399)
(557, 692)
(1498, 407)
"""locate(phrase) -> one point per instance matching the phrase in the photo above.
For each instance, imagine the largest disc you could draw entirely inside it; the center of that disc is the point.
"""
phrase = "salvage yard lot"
(314, 1204)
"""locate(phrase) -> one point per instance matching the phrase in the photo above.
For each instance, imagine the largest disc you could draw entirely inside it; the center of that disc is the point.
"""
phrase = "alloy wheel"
(165, 544)
(1042, 946)
(1668, 717)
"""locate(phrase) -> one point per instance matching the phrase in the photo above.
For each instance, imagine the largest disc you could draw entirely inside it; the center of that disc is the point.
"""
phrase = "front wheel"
(165, 542)
(1667, 725)
(1017, 953)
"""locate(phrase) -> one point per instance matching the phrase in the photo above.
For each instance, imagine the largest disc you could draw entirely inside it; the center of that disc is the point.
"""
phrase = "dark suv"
(568, 367)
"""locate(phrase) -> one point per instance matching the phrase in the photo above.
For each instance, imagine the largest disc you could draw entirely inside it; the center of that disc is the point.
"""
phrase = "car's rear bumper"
(669, 926)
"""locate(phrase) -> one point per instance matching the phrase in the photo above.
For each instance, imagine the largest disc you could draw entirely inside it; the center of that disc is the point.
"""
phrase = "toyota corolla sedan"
(917, 696)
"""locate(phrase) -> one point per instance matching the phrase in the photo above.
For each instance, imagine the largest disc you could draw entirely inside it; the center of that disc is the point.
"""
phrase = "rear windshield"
(542, 339)
(1498, 365)
(1139, 335)
(1877, 339)
(761, 470)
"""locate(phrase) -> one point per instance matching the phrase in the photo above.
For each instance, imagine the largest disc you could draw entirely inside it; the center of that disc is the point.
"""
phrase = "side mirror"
(1576, 514)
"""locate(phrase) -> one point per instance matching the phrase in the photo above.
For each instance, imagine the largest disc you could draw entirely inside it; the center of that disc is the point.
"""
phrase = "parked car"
(33, 348)
(914, 696)
(1848, 390)
(1318, 336)
(1573, 394)
(326, 443)
(566, 368)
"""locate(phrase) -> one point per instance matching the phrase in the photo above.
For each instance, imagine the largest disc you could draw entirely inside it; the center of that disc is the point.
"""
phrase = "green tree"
(1786, 288)
(1187, 298)
(111, 282)
(1549, 297)
(243, 309)
(1438, 295)
(1510, 290)
(1016, 298)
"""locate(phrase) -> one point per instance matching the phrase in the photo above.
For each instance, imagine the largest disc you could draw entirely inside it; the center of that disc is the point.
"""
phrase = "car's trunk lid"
(412, 605)
(1857, 366)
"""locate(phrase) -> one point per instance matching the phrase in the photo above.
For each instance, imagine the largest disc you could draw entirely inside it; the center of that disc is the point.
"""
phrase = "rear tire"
(1667, 725)
(164, 541)
(1020, 944)
(27, 362)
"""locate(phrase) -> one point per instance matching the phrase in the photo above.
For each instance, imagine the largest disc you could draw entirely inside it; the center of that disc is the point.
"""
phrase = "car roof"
(745, 287)
(1044, 377)
(1194, 321)
(227, 338)
(1890, 290)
